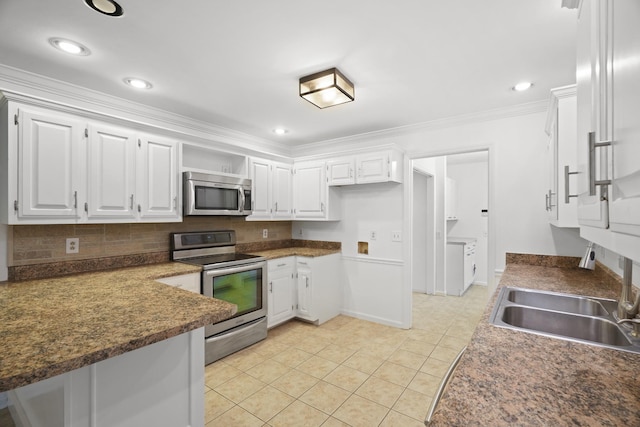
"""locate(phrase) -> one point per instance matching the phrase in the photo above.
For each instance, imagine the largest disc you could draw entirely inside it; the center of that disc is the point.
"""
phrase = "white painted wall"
(472, 180)
(372, 283)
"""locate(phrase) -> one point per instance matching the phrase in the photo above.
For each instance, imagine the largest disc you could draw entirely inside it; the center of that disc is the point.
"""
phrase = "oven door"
(244, 286)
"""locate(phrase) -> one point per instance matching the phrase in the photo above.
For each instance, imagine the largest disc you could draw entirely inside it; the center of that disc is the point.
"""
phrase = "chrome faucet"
(627, 310)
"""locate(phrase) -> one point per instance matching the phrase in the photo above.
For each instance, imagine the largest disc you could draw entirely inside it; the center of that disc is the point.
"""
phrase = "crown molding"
(357, 141)
(42, 90)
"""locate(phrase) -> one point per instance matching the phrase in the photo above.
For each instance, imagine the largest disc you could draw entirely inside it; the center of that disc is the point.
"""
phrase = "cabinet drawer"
(280, 264)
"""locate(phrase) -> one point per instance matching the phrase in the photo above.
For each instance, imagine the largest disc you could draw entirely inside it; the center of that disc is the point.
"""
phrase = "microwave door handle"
(242, 199)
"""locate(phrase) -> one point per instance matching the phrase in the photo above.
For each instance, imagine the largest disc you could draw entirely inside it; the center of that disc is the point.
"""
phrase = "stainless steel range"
(240, 279)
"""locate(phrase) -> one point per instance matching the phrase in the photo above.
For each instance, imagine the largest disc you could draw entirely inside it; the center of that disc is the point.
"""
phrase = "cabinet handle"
(567, 196)
(271, 287)
(546, 202)
(322, 207)
(281, 265)
(75, 200)
(276, 206)
(548, 198)
(139, 208)
(307, 281)
(131, 203)
(593, 182)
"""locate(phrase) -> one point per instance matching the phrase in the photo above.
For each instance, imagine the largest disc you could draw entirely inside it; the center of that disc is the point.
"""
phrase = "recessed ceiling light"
(69, 46)
(280, 131)
(522, 86)
(107, 7)
(138, 83)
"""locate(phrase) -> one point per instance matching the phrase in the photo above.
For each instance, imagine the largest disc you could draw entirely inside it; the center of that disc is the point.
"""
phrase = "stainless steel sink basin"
(567, 325)
(562, 302)
(570, 317)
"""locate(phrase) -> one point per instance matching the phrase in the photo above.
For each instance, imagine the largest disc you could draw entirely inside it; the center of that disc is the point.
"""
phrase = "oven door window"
(214, 198)
(243, 289)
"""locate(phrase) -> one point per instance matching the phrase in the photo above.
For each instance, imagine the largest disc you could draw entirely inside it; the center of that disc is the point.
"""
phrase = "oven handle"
(238, 269)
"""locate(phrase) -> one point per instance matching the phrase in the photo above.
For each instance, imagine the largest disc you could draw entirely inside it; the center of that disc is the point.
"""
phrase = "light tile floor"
(346, 372)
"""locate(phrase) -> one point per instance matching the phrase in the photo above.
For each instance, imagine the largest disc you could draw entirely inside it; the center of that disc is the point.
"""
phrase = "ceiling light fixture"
(106, 7)
(522, 86)
(280, 131)
(327, 88)
(69, 46)
(138, 83)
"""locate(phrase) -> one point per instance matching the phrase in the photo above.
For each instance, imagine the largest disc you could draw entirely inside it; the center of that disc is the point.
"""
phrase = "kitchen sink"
(562, 302)
(576, 318)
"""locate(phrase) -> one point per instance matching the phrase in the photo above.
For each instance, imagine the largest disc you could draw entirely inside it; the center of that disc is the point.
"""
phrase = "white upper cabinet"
(451, 199)
(593, 115)
(312, 197)
(379, 166)
(50, 165)
(158, 179)
(272, 189)
(624, 205)
(282, 188)
(561, 197)
(64, 169)
(608, 125)
(342, 171)
(111, 178)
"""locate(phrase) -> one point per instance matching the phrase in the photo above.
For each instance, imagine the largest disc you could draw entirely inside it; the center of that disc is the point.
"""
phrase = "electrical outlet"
(372, 235)
(396, 236)
(265, 233)
(73, 245)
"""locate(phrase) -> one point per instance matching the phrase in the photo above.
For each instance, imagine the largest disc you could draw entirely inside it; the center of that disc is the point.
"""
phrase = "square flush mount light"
(327, 88)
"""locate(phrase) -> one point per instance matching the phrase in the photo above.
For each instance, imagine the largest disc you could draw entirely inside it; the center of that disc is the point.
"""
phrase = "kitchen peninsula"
(113, 346)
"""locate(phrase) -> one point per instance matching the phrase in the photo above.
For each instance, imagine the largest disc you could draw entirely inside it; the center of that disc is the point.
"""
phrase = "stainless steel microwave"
(207, 194)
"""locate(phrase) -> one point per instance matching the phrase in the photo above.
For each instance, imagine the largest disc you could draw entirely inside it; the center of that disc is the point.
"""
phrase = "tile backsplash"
(40, 244)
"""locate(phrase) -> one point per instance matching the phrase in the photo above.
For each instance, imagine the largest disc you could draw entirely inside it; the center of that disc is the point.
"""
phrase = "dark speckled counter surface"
(52, 326)
(512, 378)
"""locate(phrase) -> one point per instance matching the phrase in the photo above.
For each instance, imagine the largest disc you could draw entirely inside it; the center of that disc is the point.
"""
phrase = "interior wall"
(372, 282)
(436, 167)
(420, 228)
(472, 180)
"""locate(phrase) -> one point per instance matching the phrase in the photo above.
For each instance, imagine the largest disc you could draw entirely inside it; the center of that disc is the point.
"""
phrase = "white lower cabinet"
(281, 292)
(308, 288)
(158, 385)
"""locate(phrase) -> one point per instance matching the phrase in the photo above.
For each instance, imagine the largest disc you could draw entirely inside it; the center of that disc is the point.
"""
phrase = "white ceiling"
(236, 64)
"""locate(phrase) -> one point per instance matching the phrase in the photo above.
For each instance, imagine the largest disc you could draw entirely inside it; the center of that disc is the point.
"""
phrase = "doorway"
(469, 173)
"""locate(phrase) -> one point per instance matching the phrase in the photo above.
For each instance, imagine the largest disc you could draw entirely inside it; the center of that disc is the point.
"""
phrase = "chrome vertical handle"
(271, 287)
(131, 203)
(307, 281)
(75, 200)
(322, 207)
(546, 202)
(242, 200)
(567, 196)
(593, 182)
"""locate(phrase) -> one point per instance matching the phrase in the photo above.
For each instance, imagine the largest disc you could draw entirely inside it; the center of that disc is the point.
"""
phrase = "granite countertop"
(508, 377)
(295, 251)
(52, 326)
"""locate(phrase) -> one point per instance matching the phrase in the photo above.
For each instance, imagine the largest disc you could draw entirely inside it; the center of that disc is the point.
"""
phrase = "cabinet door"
(158, 178)
(261, 183)
(341, 171)
(304, 291)
(51, 165)
(372, 168)
(282, 191)
(624, 206)
(280, 298)
(592, 114)
(310, 189)
(111, 153)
